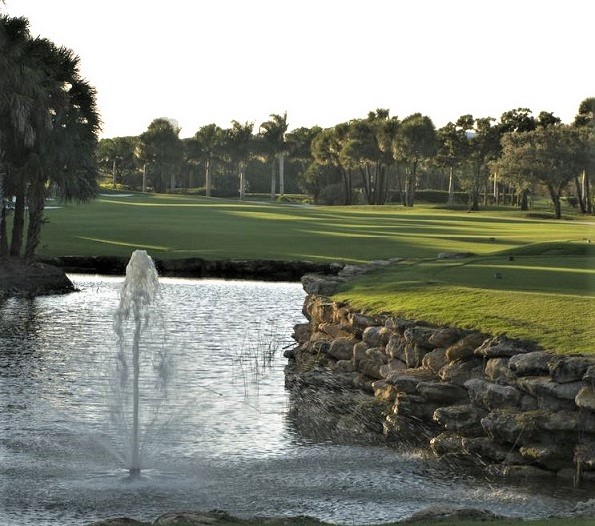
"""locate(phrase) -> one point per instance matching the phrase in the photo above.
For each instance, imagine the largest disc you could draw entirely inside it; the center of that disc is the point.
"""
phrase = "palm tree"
(21, 91)
(48, 129)
(239, 147)
(273, 135)
(209, 141)
(64, 155)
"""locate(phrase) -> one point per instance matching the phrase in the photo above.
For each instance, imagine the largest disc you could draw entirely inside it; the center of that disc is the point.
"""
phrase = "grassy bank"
(501, 522)
(531, 278)
(227, 520)
(543, 292)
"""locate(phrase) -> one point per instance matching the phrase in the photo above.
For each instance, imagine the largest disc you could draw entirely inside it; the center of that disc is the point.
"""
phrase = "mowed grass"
(177, 226)
(545, 289)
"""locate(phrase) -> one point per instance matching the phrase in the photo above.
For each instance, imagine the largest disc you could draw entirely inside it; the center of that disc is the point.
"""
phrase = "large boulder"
(463, 418)
(195, 518)
(570, 368)
(119, 521)
(316, 284)
(501, 347)
(462, 370)
(465, 347)
(451, 514)
(585, 398)
(22, 278)
(531, 364)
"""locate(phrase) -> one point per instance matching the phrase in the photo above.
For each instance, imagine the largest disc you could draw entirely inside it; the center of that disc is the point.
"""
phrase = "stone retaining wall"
(497, 402)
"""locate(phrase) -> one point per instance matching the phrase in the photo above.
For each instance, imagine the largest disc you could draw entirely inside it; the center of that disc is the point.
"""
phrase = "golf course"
(525, 275)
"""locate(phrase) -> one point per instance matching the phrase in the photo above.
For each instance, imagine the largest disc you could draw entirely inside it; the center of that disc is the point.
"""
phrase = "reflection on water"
(222, 439)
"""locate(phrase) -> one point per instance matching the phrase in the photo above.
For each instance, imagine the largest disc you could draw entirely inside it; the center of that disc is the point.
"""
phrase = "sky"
(321, 61)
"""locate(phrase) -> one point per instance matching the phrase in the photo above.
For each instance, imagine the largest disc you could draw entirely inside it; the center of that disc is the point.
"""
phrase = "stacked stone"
(499, 402)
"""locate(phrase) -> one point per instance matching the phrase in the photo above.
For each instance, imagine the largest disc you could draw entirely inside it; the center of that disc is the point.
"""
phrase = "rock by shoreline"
(32, 278)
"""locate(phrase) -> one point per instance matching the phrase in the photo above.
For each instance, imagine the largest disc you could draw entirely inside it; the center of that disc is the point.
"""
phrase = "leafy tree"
(452, 152)
(550, 156)
(416, 142)
(272, 133)
(161, 149)
(484, 146)
(299, 147)
(519, 120)
(326, 149)
(585, 120)
(368, 149)
(117, 156)
(586, 113)
(546, 118)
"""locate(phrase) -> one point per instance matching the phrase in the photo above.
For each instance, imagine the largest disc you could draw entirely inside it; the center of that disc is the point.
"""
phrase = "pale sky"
(322, 61)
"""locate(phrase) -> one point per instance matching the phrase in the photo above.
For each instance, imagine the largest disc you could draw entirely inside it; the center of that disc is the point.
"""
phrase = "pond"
(221, 435)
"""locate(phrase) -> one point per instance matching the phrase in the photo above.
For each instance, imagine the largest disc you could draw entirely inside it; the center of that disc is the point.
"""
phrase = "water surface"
(221, 439)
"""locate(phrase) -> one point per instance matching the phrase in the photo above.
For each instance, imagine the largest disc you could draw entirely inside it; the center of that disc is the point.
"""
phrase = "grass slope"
(546, 298)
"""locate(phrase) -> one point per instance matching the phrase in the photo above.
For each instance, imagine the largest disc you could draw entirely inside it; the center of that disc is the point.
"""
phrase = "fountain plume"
(137, 313)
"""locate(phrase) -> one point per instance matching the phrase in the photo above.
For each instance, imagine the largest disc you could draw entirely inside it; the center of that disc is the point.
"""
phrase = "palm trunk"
(410, 186)
(242, 181)
(144, 177)
(18, 224)
(273, 185)
(208, 177)
(3, 230)
(36, 205)
(587, 192)
(282, 173)
(451, 187)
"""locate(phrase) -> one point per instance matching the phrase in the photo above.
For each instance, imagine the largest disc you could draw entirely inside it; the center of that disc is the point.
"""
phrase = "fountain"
(138, 312)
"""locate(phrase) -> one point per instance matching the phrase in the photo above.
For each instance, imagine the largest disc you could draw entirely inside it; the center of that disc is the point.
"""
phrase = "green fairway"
(176, 226)
(530, 277)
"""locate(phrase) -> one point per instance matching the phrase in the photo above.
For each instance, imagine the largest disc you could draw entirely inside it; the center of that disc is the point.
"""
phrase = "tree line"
(49, 126)
(371, 160)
